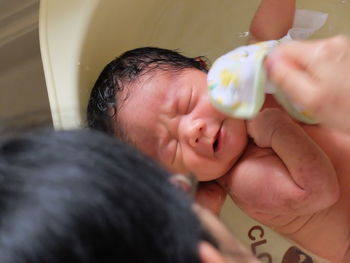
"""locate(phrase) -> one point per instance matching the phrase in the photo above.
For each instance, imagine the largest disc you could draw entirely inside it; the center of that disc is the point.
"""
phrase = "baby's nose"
(197, 139)
(195, 132)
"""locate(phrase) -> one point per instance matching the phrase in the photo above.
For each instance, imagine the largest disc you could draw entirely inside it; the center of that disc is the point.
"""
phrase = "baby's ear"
(202, 61)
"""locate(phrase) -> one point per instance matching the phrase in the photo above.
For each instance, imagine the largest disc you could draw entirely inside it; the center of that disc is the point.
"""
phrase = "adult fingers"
(312, 73)
(291, 76)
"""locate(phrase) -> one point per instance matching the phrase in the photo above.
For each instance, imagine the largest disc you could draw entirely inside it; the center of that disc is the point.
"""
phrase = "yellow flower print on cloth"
(236, 84)
(237, 81)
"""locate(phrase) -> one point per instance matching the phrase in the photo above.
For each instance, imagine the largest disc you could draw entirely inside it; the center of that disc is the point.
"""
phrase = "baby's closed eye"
(190, 102)
(171, 150)
(186, 102)
(175, 155)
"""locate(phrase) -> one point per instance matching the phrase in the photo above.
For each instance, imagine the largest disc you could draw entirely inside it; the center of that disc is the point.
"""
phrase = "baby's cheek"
(240, 140)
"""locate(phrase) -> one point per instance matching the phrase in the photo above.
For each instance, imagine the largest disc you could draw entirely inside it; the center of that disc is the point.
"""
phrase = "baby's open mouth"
(217, 140)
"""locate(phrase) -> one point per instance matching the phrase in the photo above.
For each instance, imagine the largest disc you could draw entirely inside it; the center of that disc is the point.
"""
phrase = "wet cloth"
(238, 82)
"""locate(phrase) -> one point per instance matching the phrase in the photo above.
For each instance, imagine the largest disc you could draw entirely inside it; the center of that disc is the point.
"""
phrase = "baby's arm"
(288, 175)
(272, 20)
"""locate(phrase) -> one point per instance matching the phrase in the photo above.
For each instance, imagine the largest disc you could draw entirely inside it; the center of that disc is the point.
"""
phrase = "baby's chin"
(214, 173)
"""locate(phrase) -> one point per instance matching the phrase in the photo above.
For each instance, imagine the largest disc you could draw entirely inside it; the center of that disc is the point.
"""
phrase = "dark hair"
(124, 70)
(82, 197)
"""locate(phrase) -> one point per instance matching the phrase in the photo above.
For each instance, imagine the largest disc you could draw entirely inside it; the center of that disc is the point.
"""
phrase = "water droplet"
(243, 34)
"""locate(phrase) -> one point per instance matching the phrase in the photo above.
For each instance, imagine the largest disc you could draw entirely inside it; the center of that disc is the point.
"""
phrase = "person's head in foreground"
(81, 196)
(157, 100)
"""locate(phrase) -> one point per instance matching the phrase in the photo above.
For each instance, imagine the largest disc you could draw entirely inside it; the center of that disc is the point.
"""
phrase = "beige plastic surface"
(78, 37)
(63, 26)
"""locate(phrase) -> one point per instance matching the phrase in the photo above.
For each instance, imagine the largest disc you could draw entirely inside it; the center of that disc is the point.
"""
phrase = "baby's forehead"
(149, 96)
(143, 101)
(155, 85)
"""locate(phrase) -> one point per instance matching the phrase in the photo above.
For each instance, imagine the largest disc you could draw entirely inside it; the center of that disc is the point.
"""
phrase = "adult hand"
(316, 75)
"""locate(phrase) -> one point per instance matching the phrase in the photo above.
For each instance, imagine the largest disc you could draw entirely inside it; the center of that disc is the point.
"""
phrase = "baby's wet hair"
(103, 104)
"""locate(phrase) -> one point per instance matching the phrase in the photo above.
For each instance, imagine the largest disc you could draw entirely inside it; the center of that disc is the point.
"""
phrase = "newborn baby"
(283, 180)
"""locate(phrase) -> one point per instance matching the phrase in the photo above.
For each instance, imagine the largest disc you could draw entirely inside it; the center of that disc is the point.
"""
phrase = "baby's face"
(171, 119)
